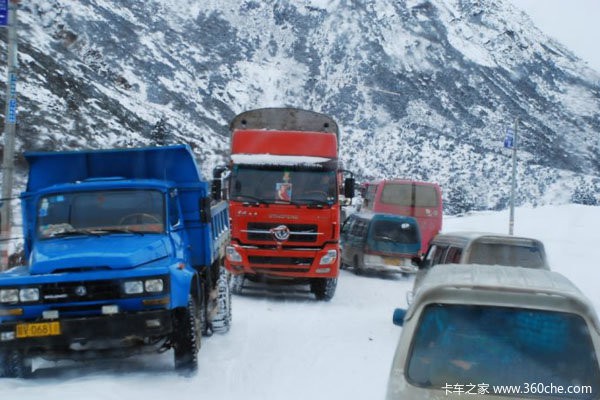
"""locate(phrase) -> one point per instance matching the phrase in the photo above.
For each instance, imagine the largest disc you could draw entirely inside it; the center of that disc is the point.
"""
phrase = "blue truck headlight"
(329, 257)
(29, 294)
(9, 295)
(154, 285)
(133, 287)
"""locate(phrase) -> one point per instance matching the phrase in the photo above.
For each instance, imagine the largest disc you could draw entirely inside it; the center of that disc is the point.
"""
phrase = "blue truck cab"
(124, 254)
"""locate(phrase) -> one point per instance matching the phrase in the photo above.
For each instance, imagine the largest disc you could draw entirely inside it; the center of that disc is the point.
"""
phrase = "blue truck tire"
(186, 338)
(15, 364)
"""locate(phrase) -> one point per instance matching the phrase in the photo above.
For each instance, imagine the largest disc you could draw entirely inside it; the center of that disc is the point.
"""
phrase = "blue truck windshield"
(283, 185)
(100, 212)
(470, 344)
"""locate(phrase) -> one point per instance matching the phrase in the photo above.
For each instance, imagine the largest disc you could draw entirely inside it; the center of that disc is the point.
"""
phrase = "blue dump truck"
(125, 254)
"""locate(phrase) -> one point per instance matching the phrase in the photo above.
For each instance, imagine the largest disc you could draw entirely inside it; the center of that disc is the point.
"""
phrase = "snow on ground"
(288, 346)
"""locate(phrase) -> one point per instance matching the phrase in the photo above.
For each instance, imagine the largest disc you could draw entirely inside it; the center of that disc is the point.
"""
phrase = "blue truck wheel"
(186, 340)
(16, 364)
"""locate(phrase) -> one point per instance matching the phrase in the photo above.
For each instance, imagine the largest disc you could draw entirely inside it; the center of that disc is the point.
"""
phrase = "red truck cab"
(284, 184)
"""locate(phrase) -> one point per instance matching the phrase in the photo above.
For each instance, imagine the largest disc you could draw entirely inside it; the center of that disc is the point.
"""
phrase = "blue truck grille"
(62, 292)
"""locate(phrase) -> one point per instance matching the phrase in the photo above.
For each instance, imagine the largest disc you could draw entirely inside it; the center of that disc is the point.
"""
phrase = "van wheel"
(357, 268)
(323, 288)
(185, 338)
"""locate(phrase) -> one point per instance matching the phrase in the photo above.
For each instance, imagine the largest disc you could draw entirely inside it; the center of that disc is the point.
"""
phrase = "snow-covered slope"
(421, 88)
(290, 347)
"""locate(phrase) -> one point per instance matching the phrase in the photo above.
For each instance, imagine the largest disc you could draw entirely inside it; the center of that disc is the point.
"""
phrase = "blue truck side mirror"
(204, 205)
(399, 314)
(216, 189)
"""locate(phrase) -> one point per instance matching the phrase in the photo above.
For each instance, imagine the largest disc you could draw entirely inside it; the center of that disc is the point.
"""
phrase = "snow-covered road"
(288, 346)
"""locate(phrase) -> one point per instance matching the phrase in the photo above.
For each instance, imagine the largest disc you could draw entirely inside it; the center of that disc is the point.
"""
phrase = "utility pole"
(10, 122)
(513, 184)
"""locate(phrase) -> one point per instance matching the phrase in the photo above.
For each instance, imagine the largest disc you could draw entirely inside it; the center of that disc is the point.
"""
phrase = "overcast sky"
(574, 23)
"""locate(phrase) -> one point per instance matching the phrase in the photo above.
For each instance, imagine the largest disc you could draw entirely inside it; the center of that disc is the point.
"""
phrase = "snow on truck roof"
(454, 281)
(270, 159)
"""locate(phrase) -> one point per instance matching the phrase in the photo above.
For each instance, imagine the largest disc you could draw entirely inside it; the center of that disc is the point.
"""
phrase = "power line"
(9, 198)
(12, 238)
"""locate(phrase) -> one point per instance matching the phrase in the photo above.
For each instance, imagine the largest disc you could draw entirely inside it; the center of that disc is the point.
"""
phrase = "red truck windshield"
(100, 211)
(280, 184)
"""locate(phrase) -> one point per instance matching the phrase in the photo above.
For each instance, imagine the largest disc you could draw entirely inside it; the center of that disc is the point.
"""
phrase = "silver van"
(496, 332)
(482, 248)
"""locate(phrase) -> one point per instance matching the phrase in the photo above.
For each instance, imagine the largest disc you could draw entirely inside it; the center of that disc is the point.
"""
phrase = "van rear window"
(394, 231)
(472, 344)
(402, 194)
(506, 254)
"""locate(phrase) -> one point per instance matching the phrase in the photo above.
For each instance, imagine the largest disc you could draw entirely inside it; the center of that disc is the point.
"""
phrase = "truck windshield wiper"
(74, 232)
(311, 202)
(116, 230)
(253, 198)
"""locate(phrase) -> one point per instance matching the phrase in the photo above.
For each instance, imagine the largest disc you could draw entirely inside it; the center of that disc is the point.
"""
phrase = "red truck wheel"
(222, 321)
(323, 288)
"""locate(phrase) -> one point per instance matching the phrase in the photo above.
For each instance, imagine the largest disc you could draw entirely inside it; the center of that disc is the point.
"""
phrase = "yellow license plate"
(392, 261)
(38, 329)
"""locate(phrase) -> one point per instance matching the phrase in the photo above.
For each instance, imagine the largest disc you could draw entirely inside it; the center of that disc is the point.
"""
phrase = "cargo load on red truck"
(285, 182)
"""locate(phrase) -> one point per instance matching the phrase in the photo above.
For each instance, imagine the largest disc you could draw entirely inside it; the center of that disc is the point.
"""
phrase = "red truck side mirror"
(349, 188)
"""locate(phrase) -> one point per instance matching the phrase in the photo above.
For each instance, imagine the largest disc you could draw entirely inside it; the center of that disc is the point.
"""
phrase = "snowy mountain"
(420, 88)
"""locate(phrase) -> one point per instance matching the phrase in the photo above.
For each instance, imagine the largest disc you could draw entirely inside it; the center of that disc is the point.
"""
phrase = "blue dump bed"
(170, 163)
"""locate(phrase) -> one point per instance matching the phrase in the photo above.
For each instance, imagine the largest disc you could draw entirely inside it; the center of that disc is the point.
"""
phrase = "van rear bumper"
(399, 263)
(404, 269)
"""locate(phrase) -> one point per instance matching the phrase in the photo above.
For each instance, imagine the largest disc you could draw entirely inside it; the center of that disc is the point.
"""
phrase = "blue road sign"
(3, 12)
(509, 140)
(12, 111)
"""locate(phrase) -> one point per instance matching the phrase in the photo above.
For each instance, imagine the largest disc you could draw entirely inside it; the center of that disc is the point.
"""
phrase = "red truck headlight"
(329, 257)
(232, 254)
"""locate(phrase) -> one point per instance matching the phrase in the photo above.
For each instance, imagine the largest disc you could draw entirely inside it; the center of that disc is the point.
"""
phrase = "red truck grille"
(304, 233)
(298, 261)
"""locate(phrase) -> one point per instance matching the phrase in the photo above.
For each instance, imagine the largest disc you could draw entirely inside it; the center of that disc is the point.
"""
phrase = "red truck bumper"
(291, 263)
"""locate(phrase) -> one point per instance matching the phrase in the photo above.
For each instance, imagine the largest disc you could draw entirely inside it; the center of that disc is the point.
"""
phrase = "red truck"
(284, 183)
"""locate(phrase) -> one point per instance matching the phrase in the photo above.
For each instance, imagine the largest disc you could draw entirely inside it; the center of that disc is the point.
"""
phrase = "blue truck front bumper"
(66, 333)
